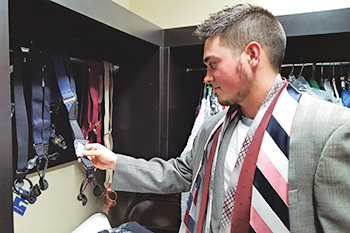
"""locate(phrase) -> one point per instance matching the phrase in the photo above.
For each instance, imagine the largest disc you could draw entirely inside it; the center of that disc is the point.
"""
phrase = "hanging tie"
(204, 199)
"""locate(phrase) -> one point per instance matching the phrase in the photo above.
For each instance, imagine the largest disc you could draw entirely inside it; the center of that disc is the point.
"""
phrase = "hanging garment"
(312, 81)
(41, 73)
(41, 117)
(66, 84)
(20, 113)
(345, 97)
(209, 106)
(303, 86)
(107, 129)
(22, 132)
(93, 112)
(84, 99)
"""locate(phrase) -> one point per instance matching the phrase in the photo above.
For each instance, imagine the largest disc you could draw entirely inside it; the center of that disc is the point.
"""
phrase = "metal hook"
(329, 71)
(291, 72)
(341, 69)
(301, 70)
(313, 69)
(322, 73)
(116, 68)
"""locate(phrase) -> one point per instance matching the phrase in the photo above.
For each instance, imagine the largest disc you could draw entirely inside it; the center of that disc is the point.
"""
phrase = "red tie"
(206, 182)
(241, 214)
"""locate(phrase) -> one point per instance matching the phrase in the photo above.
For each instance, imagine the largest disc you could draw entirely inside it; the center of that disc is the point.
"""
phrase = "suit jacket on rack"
(319, 168)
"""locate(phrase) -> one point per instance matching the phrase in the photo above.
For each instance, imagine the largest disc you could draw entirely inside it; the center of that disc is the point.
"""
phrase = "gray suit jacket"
(319, 169)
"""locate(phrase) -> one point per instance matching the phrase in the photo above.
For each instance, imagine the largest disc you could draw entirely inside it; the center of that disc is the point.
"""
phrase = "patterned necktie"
(231, 191)
(269, 210)
(262, 196)
(205, 190)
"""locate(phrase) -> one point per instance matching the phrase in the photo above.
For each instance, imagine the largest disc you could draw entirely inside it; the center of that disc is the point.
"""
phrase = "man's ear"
(253, 52)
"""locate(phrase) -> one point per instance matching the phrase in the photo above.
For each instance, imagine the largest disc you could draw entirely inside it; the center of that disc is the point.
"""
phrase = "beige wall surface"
(123, 3)
(57, 209)
(179, 13)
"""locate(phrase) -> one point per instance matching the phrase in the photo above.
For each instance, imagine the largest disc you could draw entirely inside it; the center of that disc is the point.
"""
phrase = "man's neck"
(251, 106)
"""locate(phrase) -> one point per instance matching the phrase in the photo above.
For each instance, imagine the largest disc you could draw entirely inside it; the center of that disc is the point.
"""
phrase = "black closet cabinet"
(88, 30)
(160, 80)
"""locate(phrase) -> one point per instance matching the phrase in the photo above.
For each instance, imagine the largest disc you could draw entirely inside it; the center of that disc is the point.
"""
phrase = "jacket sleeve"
(332, 182)
(153, 176)
(160, 176)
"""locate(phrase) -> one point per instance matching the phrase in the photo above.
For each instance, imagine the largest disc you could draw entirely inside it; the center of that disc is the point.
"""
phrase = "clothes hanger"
(334, 84)
(342, 78)
(291, 72)
(301, 70)
(291, 76)
(322, 73)
(313, 82)
(347, 82)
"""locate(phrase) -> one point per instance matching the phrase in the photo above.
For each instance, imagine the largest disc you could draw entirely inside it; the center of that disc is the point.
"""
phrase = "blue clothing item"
(129, 227)
(345, 98)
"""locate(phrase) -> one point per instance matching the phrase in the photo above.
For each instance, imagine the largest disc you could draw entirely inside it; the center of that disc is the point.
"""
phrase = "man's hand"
(100, 156)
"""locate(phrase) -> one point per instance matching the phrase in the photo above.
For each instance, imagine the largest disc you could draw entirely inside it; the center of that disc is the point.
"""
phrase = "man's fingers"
(89, 153)
(92, 146)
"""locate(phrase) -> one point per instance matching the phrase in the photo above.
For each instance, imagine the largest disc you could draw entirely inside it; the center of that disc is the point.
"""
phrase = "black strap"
(22, 131)
(41, 116)
(41, 72)
(20, 113)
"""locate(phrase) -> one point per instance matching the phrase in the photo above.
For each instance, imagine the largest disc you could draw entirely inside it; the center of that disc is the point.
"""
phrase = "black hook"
(31, 195)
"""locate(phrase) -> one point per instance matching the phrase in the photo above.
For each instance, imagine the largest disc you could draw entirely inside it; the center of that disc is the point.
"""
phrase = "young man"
(275, 161)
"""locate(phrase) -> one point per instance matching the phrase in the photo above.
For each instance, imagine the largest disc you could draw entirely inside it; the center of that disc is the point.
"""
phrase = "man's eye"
(211, 65)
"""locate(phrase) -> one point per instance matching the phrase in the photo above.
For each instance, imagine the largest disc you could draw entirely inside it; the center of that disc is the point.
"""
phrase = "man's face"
(225, 73)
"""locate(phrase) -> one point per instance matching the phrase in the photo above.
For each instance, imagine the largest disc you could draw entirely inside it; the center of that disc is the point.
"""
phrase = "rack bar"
(317, 64)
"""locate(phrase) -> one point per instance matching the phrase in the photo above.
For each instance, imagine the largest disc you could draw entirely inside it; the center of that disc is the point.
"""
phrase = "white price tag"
(79, 146)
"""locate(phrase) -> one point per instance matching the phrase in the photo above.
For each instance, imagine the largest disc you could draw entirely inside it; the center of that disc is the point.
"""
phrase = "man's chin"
(225, 102)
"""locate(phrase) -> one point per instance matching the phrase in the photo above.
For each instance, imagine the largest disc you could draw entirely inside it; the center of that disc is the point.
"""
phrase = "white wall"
(179, 13)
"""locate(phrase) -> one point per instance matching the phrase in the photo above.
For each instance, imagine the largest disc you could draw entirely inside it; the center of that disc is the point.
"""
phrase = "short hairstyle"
(242, 24)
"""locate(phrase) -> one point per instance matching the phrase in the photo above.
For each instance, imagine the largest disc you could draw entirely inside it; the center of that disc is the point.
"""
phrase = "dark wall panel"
(6, 212)
(185, 92)
(136, 108)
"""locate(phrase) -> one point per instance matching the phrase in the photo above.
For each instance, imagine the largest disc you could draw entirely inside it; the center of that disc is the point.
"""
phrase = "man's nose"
(208, 79)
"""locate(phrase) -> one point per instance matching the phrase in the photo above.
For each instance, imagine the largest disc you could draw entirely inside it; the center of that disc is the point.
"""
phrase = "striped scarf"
(284, 109)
